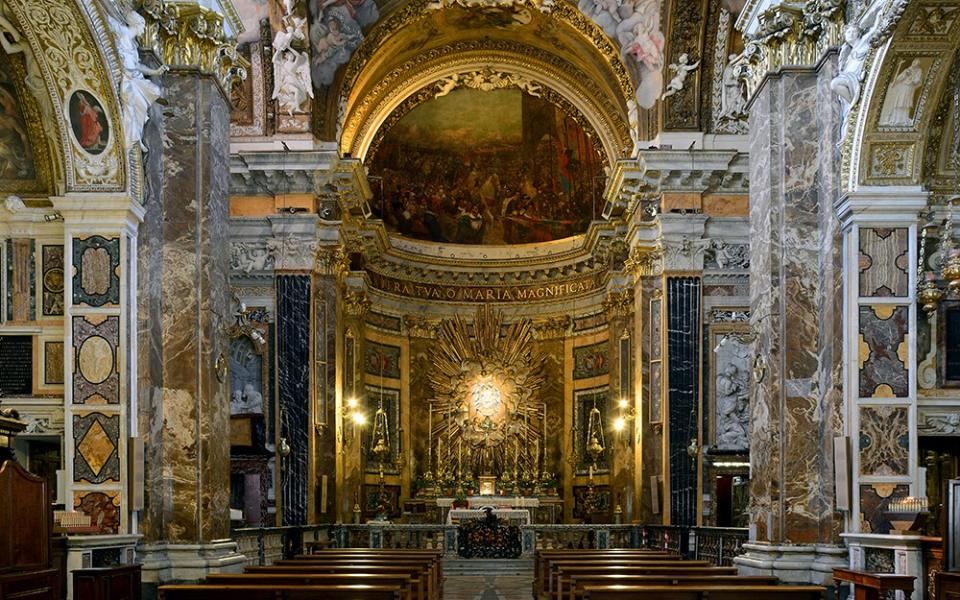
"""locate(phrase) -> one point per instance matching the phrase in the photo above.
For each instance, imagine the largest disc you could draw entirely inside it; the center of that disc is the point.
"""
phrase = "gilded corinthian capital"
(185, 35)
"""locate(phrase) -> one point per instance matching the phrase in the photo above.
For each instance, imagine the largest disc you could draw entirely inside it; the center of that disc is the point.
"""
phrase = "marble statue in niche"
(681, 69)
(731, 393)
(901, 99)
(138, 92)
(733, 97)
(246, 378)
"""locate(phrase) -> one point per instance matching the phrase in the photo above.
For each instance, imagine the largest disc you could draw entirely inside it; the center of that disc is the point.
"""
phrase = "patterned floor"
(489, 587)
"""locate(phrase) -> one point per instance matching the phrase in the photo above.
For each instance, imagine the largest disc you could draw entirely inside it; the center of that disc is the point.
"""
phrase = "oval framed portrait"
(88, 121)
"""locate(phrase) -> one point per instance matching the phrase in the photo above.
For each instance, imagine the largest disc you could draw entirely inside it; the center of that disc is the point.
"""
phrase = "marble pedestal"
(905, 551)
(86, 551)
(178, 563)
(792, 563)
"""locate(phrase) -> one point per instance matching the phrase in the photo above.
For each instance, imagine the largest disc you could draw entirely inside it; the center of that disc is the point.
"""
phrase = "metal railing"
(718, 545)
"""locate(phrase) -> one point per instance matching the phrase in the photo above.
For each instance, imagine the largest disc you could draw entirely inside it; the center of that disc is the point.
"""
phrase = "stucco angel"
(291, 88)
(680, 68)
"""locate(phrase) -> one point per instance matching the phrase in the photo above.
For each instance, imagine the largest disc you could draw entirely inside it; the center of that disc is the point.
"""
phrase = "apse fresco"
(16, 154)
(487, 167)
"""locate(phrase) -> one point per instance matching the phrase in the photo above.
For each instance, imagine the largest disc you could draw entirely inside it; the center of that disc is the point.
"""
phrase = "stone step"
(496, 567)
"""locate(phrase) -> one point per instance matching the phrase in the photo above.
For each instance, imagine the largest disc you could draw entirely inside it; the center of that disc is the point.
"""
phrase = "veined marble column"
(795, 268)
(184, 310)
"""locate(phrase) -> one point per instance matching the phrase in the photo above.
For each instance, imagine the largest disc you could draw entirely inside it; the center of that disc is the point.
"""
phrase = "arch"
(894, 135)
(67, 47)
(551, 45)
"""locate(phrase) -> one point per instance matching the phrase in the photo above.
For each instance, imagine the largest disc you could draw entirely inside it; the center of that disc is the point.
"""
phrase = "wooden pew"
(280, 592)
(431, 564)
(572, 588)
(432, 586)
(589, 565)
(712, 592)
(544, 558)
(412, 586)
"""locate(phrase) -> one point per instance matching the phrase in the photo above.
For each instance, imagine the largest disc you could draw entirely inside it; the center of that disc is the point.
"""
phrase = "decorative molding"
(939, 422)
(619, 303)
(293, 253)
(552, 327)
(185, 35)
(356, 303)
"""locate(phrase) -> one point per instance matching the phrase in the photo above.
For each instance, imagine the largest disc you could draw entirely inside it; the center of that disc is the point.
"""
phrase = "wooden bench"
(413, 586)
(711, 592)
(542, 557)
(432, 585)
(280, 592)
(548, 563)
(572, 588)
(639, 567)
(431, 565)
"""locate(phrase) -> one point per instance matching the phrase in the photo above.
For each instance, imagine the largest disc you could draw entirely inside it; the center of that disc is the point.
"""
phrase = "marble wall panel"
(420, 394)
(381, 360)
(52, 280)
(884, 261)
(879, 560)
(325, 388)
(103, 508)
(53, 363)
(884, 441)
(96, 439)
(591, 361)
(21, 303)
(883, 351)
(683, 393)
(96, 379)
(552, 395)
(588, 322)
(96, 266)
(874, 500)
(293, 385)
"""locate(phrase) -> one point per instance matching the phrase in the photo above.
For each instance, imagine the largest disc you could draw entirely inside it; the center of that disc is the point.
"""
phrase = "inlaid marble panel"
(884, 440)
(95, 376)
(878, 560)
(96, 439)
(21, 305)
(52, 280)
(381, 360)
(591, 361)
(102, 507)
(874, 500)
(883, 351)
(96, 264)
(382, 321)
(884, 261)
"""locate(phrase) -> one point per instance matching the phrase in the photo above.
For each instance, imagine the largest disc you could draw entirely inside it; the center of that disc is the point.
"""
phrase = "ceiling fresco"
(487, 167)
(22, 168)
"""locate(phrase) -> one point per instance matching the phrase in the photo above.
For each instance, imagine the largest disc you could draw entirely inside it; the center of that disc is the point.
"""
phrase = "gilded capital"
(185, 35)
(643, 262)
(792, 35)
(552, 327)
(331, 260)
(619, 303)
(356, 303)
(421, 327)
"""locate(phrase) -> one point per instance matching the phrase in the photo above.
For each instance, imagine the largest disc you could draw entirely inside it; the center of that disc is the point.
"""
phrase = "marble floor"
(488, 587)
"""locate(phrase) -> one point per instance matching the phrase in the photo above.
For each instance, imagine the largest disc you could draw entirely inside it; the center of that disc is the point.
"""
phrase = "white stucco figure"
(901, 96)
(680, 69)
(138, 92)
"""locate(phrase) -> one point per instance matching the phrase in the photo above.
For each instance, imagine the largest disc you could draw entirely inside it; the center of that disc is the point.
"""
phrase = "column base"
(185, 563)
(793, 563)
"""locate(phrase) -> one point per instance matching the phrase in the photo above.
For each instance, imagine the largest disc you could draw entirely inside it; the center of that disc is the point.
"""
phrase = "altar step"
(493, 567)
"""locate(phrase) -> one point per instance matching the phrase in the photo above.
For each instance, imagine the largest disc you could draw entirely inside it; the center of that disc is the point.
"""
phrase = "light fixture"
(619, 424)
(351, 402)
(358, 418)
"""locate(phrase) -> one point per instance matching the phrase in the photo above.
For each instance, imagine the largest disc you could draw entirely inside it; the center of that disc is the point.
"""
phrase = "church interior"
(479, 299)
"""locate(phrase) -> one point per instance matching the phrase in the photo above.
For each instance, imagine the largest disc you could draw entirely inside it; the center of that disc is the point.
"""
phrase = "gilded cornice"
(417, 76)
(792, 35)
(189, 36)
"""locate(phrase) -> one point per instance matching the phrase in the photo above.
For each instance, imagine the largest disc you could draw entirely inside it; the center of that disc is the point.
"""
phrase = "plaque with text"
(16, 365)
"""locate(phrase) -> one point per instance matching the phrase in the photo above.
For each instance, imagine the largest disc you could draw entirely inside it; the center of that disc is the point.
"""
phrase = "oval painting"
(89, 122)
(487, 167)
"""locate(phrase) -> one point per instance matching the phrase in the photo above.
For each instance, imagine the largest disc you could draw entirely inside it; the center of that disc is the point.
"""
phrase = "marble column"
(795, 270)
(184, 308)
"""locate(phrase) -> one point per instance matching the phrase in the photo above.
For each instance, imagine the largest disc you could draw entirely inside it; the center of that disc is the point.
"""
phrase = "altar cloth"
(519, 516)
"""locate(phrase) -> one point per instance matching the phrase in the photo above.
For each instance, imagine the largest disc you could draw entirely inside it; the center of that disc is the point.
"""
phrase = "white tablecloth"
(520, 515)
(495, 501)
